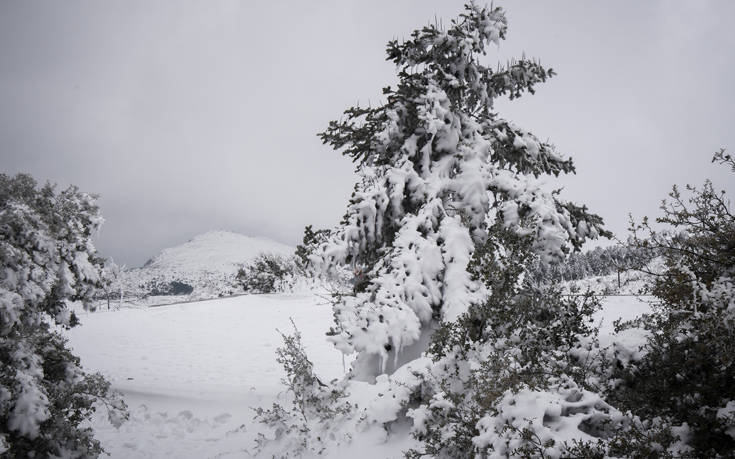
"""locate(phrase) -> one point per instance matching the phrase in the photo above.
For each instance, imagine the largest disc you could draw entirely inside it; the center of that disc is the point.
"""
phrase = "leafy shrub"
(266, 274)
(47, 259)
(303, 426)
(686, 376)
(171, 288)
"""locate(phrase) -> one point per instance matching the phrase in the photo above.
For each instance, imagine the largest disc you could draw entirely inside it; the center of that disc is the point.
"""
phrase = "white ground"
(191, 372)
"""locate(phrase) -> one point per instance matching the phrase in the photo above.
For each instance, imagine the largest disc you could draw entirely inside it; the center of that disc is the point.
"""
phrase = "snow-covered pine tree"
(47, 259)
(437, 168)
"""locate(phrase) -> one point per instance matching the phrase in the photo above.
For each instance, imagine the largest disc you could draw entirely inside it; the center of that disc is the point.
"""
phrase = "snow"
(555, 415)
(632, 282)
(728, 411)
(624, 307)
(208, 262)
(190, 373)
(221, 251)
(203, 350)
(31, 407)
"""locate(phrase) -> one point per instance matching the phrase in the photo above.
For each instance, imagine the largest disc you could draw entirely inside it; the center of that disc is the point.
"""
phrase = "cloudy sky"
(186, 116)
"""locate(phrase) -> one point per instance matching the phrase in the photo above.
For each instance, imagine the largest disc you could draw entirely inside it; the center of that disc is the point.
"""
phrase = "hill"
(203, 267)
(215, 251)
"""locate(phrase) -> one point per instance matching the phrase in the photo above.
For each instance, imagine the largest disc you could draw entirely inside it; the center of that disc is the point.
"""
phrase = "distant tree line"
(601, 261)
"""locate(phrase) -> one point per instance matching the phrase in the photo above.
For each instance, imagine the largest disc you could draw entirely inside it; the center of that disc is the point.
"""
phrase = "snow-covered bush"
(685, 380)
(305, 424)
(47, 260)
(170, 288)
(267, 273)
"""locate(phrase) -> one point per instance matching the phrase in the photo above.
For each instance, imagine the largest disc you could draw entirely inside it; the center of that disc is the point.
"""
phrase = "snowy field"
(190, 373)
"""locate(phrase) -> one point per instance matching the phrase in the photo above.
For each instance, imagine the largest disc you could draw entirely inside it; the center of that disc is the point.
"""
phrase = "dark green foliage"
(699, 249)
(311, 240)
(687, 373)
(265, 274)
(180, 288)
(685, 376)
(171, 288)
(532, 336)
(647, 439)
(47, 259)
(471, 88)
(544, 316)
(579, 214)
(72, 403)
(508, 154)
(476, 85)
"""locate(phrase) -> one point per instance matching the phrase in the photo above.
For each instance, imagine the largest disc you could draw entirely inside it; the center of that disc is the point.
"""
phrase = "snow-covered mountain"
(215, 251)
(207, 263)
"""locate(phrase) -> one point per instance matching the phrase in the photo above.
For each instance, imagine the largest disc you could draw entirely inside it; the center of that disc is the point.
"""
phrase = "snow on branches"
(437, 168)
(47, 259)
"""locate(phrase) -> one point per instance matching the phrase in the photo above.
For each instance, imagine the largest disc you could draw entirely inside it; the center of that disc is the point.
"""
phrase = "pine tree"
(438, 168)
(312, 238)
(47, 259)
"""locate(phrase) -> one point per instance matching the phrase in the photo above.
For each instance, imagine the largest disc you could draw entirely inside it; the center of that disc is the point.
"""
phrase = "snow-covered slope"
(630, 282)
(215, 251)
(207, 263)
(191, 372)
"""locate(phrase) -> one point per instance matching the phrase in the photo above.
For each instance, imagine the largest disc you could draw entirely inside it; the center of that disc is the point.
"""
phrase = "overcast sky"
(186, 116)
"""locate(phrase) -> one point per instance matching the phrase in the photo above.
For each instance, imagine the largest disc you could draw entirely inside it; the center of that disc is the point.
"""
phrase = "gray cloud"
(188, 116)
